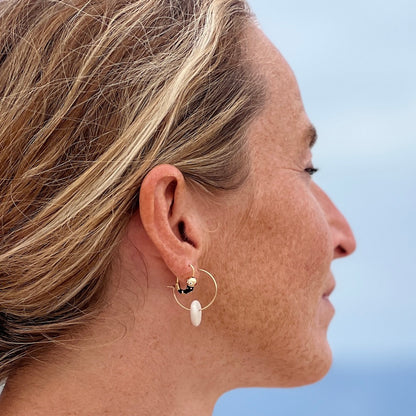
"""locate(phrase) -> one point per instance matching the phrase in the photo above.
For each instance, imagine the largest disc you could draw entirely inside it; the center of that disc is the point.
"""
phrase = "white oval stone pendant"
(196, 313)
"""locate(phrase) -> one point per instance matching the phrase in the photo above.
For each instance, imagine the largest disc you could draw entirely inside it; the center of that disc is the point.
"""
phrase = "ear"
(171, 219)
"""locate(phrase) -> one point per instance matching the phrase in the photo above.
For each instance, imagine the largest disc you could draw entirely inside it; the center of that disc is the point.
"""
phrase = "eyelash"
(311, 171)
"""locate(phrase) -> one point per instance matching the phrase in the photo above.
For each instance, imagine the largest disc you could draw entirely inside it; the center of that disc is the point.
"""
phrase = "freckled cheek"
(296, 240)
(317, 252)
(316, 235)
(284, 239)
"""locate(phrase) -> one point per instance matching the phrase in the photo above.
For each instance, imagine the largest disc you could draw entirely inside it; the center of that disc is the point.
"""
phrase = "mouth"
(330, 289)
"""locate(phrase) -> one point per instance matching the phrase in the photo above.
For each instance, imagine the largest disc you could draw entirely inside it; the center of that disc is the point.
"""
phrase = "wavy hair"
(93, 95)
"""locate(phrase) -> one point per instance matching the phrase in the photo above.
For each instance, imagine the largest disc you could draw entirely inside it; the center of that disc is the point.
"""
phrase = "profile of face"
(275, 242)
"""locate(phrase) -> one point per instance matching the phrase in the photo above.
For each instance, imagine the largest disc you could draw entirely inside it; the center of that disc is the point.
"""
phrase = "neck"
(147, 366)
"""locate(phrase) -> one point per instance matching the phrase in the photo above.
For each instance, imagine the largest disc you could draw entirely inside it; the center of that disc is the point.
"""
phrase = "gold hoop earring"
(196, 308)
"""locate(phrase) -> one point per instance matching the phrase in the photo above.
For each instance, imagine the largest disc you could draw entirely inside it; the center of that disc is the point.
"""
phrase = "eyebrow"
(311, 135)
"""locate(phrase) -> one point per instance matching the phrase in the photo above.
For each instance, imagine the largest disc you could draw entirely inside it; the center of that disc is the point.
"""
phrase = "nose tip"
(343, 237)
(344, 240)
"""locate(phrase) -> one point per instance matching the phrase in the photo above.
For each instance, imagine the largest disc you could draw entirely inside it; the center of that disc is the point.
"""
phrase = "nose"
(342, 235)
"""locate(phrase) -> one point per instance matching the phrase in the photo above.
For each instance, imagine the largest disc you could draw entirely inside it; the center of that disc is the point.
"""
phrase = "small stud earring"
(190, 283)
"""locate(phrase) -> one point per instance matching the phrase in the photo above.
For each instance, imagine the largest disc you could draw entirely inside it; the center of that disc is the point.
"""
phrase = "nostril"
(345, 247)
(341, 251)
(343, 239)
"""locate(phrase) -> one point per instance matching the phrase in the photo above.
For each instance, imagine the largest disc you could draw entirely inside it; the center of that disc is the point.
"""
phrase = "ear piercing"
(190, 283)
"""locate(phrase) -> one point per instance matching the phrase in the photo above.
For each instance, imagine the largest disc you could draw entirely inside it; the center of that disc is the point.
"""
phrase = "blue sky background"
(356, 66)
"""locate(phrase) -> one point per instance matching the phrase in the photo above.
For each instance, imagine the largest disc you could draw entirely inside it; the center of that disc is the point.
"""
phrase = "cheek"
(272, 265)
(274, 270)
(290, 239)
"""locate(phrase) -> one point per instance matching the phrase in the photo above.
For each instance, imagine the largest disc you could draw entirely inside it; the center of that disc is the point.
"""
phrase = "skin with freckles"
(269, 244)
(278, 257)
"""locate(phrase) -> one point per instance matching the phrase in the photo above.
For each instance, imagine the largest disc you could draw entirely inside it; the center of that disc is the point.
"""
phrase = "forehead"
(282, 124)
(267, 61)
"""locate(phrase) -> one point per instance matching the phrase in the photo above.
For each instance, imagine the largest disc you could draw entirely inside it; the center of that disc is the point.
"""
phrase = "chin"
(307, 367)
(314, 370)
(296, 372)
(318, 374)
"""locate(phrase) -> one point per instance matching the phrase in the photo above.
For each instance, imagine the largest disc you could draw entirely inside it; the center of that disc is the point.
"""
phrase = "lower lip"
(328, 303)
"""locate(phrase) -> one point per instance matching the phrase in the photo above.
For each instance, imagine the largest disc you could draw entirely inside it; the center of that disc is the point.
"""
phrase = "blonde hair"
(94, 94)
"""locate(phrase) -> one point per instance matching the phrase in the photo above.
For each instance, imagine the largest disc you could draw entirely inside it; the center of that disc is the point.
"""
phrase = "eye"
(311, 170)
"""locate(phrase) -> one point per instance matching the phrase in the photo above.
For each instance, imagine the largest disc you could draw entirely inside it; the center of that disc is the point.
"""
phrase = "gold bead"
(191, 282)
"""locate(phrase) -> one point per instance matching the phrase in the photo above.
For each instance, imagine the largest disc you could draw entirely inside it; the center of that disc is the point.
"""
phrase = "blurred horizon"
(344, 391)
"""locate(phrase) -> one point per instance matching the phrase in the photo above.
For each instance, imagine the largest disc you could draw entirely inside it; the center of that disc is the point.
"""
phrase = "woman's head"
(117, 117)
(93, 96)
(270, 243)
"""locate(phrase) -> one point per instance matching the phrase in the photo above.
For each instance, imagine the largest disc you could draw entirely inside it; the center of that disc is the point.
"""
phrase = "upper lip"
(330, 288)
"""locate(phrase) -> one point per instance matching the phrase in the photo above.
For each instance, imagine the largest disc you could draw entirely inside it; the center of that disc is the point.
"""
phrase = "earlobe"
(170, 218)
